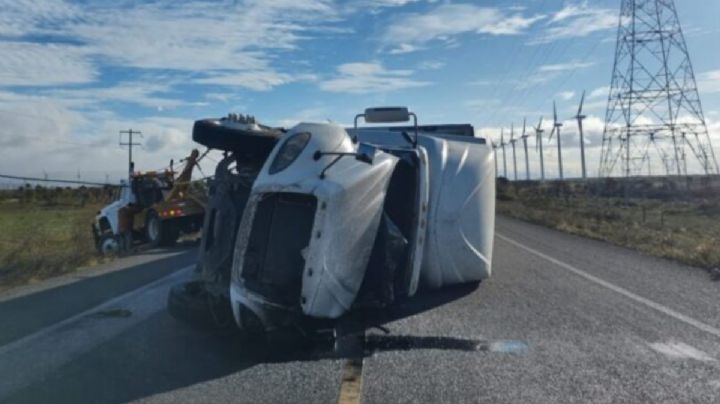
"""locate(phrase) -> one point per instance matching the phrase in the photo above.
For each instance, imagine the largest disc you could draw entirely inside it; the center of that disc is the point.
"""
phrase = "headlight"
(289, 151)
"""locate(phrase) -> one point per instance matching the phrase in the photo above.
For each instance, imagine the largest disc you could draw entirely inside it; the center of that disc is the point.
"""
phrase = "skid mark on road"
(617, 289)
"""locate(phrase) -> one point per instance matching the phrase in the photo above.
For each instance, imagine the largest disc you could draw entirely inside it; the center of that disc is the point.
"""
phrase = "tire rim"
(109, 245)
(154, 229)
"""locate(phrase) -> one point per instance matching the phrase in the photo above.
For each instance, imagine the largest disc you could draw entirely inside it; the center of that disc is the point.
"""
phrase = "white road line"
(27, 360)
(617, 289)
(107, 304)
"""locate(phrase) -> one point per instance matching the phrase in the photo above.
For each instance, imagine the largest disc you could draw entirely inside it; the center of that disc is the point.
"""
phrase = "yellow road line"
(351, 385)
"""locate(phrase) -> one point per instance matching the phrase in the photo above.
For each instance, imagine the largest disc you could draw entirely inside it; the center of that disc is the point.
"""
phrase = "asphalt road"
(563, 319)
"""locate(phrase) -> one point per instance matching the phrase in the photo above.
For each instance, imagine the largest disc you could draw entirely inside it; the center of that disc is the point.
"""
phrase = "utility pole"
(130, 145)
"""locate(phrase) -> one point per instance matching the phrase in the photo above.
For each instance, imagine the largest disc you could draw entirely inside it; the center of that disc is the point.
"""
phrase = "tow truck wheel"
(160, 232)
(153, 229)
(108, 244)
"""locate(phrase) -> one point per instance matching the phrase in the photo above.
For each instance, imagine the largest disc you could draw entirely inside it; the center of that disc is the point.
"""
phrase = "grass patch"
(687, 231)
(38, 242)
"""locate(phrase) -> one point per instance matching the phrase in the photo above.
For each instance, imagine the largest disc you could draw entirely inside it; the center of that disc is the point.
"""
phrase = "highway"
(563, 319)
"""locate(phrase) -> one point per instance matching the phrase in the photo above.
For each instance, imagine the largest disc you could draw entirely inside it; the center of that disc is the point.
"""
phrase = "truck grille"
(273, 262)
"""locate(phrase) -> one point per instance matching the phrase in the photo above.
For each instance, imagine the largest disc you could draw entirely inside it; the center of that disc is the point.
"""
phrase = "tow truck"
(154, 207)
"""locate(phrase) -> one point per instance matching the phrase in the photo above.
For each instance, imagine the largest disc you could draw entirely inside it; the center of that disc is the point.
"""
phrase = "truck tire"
(217, 134)
(159, 232)
(108, 244)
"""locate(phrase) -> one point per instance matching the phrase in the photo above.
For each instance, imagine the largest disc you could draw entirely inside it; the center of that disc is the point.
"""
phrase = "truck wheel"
(160, 232)
(153, 229)
(108, 244)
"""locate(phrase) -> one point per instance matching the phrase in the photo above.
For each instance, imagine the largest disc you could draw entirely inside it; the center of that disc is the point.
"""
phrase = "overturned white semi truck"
(306, 226)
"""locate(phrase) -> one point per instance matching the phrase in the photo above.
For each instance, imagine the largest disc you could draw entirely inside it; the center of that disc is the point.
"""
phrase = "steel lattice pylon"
(654, 109)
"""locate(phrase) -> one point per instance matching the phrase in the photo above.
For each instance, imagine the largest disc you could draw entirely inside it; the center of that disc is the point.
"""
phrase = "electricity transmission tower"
(653, 108)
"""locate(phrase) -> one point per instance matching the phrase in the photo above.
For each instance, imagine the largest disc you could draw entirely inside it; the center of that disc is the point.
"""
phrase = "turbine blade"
(582, 102)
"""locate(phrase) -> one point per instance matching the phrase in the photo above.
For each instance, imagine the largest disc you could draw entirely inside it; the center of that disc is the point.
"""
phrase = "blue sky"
(74, 73)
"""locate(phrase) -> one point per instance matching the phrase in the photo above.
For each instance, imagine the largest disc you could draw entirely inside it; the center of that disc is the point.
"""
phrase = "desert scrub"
(687, 231)
(37, 242)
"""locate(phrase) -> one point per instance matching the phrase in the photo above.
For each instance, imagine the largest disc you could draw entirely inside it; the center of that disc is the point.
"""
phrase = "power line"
(78, 182)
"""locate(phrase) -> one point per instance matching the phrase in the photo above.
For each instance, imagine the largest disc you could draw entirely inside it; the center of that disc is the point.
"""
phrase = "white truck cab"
(314, 223)
(335, 211)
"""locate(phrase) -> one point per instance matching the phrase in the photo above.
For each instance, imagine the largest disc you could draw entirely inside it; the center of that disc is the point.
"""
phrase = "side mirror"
(366, 153)
(387, 115)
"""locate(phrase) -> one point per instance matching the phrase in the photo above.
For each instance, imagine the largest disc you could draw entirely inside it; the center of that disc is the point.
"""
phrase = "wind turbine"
(539, 147)
(503, 144)
(580, 118)
(494, 147)
(556, 128)
(524, 138)
(512, 143)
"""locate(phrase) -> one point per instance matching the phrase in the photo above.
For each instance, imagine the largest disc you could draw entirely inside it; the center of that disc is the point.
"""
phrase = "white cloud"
(32, 64)
(561, 67)
(197, 36)
(578, 20)
(389, 3)
(359, 78)
(23, 17)
(709, 82)
(32, 121)
(139, 93)
(403, 48)
(253, 80)
(566, 95)
(600, 92)
(431, 65)
(314, 114)
(448, 20)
